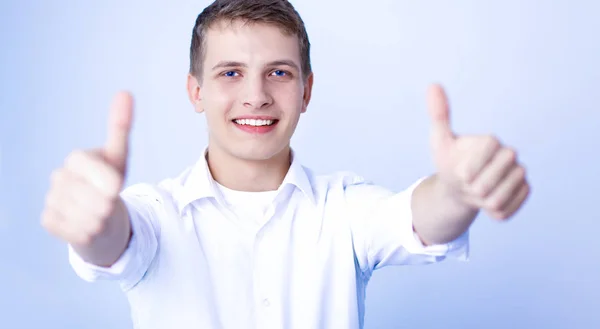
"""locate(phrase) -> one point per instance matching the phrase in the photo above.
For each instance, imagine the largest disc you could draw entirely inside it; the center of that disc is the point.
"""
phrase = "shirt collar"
(200, 184)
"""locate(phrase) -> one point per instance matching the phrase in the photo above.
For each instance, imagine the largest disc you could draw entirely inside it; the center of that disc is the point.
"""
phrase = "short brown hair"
(279, 13)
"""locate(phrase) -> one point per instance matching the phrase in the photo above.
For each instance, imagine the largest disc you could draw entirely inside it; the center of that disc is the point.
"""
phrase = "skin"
(255, 69)
(83, 206)
(474, 173)
(252, 70)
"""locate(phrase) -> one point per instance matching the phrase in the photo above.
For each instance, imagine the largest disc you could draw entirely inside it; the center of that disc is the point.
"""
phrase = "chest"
(287, 239)
(292, 264)
(290, 244)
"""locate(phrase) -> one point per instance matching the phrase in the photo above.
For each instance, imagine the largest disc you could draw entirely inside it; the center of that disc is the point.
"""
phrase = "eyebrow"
(226, 64)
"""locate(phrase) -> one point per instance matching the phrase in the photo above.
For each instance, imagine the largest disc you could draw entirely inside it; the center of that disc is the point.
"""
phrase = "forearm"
(105, 248)
(438, 214)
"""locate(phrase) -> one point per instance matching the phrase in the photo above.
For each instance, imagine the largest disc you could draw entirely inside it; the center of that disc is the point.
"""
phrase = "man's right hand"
(83, 206)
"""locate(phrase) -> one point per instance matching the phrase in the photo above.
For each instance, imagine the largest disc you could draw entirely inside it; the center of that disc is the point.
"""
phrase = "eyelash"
(225, 74)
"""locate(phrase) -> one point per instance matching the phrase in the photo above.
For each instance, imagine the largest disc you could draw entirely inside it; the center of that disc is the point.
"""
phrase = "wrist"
(454, 192)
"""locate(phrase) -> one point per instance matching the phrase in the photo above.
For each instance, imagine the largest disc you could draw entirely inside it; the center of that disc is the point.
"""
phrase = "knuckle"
(57, 176)
(51, 223)
(483, 190)
(511, 154)
(527, 190)
(479, 190)
(492, 141)
(465, 174)
(74, 158)
(47, 219)
(51, 199)
(520, 173)
(494, 205)
(502, 215)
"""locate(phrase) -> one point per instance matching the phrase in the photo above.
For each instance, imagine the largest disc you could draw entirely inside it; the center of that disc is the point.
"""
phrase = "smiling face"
(252, 89)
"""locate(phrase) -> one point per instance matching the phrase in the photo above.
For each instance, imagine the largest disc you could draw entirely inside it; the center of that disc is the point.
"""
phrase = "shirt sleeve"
(382, 229)
(132, 265)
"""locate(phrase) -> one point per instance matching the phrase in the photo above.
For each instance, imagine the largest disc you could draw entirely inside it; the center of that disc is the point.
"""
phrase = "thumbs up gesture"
(83, 204)
(479, 170)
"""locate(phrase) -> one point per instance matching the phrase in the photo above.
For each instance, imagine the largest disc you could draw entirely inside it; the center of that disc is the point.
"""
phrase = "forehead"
(251, 43)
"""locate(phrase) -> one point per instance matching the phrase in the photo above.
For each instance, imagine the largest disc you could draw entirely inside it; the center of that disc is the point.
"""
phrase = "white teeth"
(254, 122)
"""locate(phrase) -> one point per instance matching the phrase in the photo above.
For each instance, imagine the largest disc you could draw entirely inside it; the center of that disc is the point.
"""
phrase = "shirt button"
(266, 302)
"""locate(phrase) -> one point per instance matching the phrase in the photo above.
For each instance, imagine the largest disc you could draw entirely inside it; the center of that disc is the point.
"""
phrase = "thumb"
(439, 112)
(119, 127)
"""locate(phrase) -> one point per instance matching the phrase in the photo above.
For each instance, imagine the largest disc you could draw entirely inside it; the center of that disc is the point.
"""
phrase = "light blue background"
(527, 71)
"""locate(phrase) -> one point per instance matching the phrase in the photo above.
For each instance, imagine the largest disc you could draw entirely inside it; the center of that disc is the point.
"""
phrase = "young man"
(247, 237)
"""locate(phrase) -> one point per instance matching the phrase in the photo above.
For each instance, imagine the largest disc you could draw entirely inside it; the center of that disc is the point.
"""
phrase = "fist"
(478, 170)
(84, 192)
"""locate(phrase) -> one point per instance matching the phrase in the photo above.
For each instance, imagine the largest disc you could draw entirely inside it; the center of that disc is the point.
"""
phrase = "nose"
(256, 94)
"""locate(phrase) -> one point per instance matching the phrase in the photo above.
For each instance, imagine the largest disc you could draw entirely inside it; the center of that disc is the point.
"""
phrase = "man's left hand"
(477, 170)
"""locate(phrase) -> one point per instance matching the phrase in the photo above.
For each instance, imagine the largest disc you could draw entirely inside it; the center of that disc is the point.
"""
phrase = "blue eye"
(230, 74)
(280, 73)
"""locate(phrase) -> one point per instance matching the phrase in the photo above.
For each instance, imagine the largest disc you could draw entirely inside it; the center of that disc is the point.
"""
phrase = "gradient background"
(525, 70)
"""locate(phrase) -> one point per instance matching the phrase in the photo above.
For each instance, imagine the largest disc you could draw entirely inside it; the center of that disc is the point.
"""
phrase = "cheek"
(289, 97)
(218, 102)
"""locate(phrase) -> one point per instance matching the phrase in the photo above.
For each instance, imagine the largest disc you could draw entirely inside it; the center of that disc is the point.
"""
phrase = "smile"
(254, 122)
(256, 126)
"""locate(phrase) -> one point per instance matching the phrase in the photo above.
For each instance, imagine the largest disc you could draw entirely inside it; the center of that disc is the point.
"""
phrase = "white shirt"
(301, 262)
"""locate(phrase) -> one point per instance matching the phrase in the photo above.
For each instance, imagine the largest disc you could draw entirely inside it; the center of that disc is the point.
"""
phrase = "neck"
(248, 175)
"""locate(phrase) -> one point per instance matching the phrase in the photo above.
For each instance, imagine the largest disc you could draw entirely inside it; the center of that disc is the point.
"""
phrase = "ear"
(307, 91)
(194, 93)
